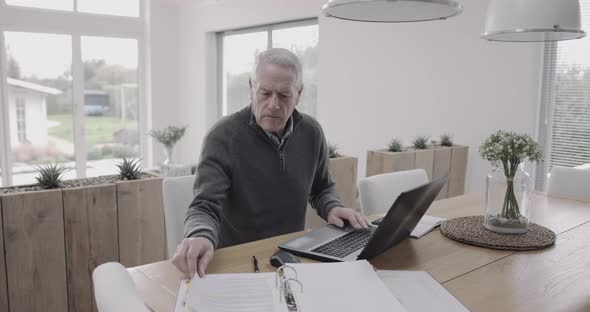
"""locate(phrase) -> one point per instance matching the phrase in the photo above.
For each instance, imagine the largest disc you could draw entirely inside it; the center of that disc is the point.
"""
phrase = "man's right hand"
(193, 255)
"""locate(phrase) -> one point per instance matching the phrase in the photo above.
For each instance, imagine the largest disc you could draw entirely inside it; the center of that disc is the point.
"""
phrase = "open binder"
(296, 287)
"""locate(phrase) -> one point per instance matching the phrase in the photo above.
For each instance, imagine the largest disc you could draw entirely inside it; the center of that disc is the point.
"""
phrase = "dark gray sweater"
(247, 188)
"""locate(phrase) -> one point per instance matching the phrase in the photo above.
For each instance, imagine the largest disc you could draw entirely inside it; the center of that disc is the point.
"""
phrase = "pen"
(255, 264)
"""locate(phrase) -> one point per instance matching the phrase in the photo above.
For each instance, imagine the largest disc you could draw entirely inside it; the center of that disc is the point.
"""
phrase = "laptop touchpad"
(312, 239)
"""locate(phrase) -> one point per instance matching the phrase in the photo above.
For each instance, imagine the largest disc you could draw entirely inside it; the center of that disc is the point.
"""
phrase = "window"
(110, 7)
(21, 122)
(110, 102)
(565, 109)
(39, 94)
(72, 93)
(239, 49)
(106, 7)
(65, 5)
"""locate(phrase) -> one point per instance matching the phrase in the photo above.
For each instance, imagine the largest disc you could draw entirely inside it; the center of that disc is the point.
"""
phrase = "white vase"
(169, 151)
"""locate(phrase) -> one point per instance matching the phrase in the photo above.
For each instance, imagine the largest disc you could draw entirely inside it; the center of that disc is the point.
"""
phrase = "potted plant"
(508, 184)
(168, 137)
(438, 159)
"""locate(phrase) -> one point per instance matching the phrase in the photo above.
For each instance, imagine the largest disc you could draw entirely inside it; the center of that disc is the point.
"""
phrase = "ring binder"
(258, 291)
(286, 292)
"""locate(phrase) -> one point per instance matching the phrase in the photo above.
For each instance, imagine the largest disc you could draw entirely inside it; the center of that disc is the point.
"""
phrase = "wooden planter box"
(436, 161)
(344, 173)
(54, 239)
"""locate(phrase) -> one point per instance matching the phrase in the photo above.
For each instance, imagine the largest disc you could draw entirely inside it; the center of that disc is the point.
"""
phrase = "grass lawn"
(98, 129)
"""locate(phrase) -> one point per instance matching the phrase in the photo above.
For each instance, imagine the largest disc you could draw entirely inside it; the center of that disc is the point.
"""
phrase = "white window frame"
(21, 118)
(77, 24)
(268, 29)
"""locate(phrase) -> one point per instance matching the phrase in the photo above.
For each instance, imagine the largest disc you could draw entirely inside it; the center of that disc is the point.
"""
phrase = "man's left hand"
(338, 215)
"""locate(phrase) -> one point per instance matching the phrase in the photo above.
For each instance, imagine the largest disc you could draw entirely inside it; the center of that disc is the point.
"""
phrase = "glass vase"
(507, 201)
(169, 151)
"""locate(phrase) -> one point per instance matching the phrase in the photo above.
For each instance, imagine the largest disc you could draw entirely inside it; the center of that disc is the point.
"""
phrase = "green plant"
(420, 142)
(446, 140)
(51, 174)
(333, 150)
(129, 169)
(169, 135)
(395, 145)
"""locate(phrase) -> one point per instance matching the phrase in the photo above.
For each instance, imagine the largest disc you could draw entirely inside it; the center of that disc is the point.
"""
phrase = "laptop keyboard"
(346, 244)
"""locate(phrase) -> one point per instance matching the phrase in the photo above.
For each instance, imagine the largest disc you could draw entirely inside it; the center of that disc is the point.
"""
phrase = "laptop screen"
(402, 218)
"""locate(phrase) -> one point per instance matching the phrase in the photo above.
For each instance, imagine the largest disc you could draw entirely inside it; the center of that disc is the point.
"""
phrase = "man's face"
(274, 96)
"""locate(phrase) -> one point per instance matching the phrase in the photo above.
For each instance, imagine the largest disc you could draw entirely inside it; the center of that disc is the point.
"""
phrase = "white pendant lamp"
(533, 20)
(391, 11)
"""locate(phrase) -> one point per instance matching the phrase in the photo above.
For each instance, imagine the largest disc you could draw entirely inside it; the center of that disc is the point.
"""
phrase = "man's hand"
(193, 255)
(338, 215)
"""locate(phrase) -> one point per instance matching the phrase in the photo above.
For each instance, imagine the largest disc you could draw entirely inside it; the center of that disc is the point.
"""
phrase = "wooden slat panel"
(425, 160)
(142, 229)
(344, 174)
(374, 163)
(343, 171)
(35, 251)
(90, 215)
(3, 287)
(459, 156)
(441, 168)
(393, 162)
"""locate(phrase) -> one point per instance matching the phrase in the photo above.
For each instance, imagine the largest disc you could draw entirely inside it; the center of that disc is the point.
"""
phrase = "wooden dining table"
(553, 279)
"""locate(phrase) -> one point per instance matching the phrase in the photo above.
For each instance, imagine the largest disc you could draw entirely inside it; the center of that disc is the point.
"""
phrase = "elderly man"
(258, 169)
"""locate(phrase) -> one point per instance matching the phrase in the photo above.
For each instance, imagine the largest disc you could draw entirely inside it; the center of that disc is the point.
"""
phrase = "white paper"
(181, 297)
(426, 224)
(249, 292)
(418, 291)
(343, 287)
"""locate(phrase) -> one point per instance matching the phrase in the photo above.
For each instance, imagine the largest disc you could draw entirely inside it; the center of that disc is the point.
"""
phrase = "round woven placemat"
(470, 230)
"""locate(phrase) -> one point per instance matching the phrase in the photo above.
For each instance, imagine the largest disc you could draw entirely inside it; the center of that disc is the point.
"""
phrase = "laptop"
(331, 243)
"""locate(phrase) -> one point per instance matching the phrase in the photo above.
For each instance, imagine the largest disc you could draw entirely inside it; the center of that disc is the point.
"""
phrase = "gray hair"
(279, 57)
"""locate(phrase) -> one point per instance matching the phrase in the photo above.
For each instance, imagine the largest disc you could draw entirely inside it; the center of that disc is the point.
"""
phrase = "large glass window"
(565, 113)
(239, 52)
(110, 7)
(110, 102)
(64, 5)
(39, 102)
(72, 92)
(107, 7)
(240, 49)
(303, 41)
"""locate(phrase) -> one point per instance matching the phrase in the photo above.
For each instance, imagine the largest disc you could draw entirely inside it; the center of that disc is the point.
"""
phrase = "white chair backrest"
(177, 193)
(377, 193)
(569, 183)
(114, 289)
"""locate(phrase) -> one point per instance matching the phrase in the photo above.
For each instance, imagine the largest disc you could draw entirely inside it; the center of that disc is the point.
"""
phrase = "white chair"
(177, 193)
(114, 289)
(569, 183)
(378, 192)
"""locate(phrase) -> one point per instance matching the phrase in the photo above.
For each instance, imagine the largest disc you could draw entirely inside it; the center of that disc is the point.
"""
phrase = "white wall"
(165, 67)
(379, 81)
(403, 80)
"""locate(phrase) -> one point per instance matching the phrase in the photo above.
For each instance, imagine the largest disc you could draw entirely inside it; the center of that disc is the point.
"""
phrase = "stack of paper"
(426, 224)
(346, 286)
